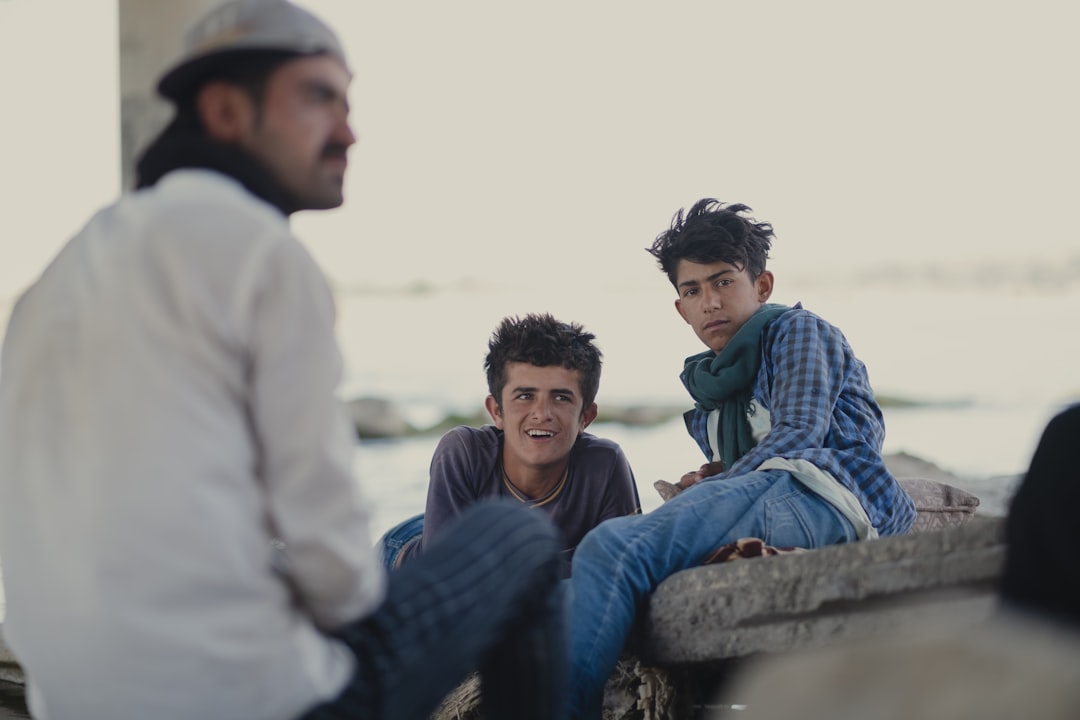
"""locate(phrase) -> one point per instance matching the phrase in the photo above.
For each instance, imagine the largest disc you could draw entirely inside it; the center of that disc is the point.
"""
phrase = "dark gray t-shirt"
(466, 467)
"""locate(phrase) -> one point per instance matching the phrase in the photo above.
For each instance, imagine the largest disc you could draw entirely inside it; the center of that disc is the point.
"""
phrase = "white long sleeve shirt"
(167, 410)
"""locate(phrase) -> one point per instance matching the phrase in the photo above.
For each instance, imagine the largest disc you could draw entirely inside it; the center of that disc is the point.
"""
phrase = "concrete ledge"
(9, 667)
(839, 593)
(812, 599)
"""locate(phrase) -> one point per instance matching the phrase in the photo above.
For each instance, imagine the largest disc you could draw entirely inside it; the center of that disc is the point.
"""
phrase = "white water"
(1008, 357)
(994, 364)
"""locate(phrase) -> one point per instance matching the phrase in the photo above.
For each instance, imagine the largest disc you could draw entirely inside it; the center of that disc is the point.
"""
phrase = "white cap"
(241, 26)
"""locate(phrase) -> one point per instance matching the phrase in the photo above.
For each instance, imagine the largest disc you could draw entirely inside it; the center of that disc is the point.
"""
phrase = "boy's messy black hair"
(541, 340)
(714, 232)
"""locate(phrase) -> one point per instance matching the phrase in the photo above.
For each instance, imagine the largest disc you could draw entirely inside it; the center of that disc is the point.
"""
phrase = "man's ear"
(764, 284)
(587, 417)
(494, 411)
(682, 314)
(226, 111)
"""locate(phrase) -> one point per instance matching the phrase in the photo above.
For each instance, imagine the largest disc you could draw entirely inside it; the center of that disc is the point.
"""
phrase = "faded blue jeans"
(400, 542)
(622, 560)
(488, 597)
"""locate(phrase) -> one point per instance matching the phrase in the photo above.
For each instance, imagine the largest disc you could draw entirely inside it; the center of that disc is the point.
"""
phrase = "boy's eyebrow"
(553, 391)
(715, 275)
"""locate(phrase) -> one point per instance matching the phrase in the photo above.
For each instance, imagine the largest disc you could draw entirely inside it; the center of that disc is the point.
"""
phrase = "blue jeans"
(400, 542)
(487, 597)
(621, 561)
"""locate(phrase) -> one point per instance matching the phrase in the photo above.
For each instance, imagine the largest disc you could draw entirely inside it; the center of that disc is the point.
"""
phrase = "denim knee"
(602, 542)
(400, 542)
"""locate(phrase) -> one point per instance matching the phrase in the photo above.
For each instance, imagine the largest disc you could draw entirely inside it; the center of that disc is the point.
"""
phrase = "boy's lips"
(538, 434)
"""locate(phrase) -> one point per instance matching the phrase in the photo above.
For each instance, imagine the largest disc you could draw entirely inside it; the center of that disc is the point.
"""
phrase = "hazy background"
(919, 161)
(547, 143)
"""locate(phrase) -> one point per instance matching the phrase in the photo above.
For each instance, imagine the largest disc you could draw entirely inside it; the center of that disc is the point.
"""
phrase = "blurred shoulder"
(482, 438)
(207, 207)
(593, 445)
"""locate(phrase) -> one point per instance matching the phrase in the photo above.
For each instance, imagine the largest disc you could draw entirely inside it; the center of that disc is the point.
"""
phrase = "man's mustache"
(335, 150)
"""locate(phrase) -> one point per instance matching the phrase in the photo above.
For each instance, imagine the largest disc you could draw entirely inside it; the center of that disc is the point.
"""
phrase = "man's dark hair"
(714, 232)
(184, 142)
(543, 341)
(249, 70)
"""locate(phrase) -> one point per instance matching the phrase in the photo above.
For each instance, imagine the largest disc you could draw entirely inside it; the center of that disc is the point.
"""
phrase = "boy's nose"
(542, 408)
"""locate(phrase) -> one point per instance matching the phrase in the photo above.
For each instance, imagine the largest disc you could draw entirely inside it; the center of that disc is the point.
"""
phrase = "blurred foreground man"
(180, 531)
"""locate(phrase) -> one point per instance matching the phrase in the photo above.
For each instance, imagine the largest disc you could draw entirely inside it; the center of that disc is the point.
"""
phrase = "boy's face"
(541, 415)
(716, 299)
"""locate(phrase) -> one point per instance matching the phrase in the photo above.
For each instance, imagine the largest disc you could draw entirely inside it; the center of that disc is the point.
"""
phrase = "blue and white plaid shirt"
(822, 410)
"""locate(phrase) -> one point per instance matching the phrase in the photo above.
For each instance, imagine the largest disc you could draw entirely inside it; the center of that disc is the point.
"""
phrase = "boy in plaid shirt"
(786, 417)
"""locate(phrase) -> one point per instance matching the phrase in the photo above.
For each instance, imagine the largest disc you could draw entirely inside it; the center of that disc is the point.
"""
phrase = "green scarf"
(725, 380)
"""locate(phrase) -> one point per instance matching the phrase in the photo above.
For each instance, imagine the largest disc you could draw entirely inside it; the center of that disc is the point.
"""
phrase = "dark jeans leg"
(399, 543)
(485, 597)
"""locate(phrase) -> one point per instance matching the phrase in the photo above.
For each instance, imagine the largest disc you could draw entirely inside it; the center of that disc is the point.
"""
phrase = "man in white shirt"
(181, 533)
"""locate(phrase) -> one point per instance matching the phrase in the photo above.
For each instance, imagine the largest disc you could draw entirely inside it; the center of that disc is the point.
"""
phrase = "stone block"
(377, 418)
(9, 666)
(843, 592)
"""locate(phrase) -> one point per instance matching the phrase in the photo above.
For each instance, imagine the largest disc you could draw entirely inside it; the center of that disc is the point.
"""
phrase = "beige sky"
(59, 141)
(549, 142)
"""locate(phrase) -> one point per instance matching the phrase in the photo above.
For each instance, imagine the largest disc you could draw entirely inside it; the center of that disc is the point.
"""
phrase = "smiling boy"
(543, 376)
(786, 417)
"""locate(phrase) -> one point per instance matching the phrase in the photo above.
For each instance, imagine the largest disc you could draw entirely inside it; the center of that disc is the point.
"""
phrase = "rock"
(377, 418)
(637, 415)
(904, 464)
(819, 597)
(9, 666)
(994, 492)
